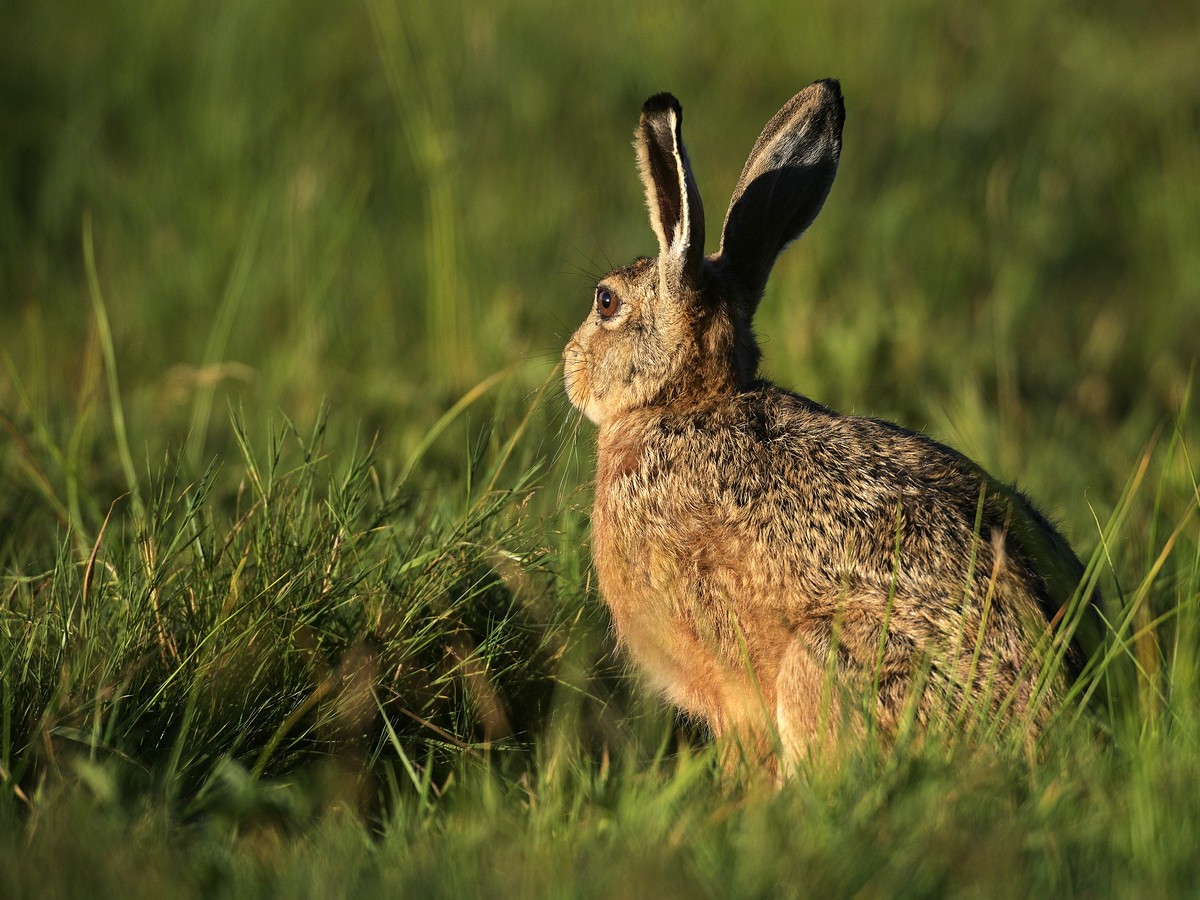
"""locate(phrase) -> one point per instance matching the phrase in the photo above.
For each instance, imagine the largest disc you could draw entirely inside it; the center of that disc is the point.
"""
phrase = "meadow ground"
(294, 586)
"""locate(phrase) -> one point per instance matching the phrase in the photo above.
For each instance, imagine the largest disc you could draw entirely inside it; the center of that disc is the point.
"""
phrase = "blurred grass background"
(381, 203)
(238, 215)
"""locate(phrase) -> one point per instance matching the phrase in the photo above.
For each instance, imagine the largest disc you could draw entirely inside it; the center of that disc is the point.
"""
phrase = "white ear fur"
(676, 212)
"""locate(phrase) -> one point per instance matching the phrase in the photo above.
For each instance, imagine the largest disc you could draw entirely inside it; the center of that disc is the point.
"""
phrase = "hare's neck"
(709, 380)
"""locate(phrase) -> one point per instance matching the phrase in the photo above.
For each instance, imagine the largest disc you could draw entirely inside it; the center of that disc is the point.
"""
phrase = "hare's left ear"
(676, 214)
(784, 184)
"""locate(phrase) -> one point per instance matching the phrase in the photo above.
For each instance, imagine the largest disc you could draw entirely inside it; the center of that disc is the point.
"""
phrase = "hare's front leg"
(808, 708)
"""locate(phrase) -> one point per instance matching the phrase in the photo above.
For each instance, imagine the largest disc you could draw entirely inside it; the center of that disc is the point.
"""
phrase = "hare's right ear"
(676, 214)
(784, 184)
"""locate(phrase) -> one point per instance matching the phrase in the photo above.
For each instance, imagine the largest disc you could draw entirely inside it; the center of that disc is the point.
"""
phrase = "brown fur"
(768, 562)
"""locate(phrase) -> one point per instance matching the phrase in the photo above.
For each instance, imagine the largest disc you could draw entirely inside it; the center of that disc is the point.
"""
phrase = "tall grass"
(295, 593)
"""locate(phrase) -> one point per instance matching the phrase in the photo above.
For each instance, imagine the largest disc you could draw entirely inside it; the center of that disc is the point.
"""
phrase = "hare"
(786, 573)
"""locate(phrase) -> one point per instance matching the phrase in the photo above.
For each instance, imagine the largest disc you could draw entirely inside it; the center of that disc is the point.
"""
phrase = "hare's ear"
(785, 183)
(676, 214)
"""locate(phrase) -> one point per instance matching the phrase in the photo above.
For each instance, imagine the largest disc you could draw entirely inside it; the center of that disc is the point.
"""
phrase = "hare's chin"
(589, 408)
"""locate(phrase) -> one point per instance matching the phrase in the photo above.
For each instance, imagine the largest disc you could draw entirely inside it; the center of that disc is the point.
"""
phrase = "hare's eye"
(607, 303)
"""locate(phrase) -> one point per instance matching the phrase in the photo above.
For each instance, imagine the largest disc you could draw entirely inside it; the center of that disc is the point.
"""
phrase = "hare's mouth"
(576, 381)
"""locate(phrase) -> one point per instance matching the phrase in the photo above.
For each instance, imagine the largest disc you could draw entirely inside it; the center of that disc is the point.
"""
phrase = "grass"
(295, 596)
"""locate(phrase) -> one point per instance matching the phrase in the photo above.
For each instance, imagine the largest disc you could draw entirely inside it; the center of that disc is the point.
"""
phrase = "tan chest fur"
(650, 574)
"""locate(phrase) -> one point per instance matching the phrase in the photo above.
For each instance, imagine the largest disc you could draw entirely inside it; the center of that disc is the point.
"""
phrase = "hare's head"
(676, 329)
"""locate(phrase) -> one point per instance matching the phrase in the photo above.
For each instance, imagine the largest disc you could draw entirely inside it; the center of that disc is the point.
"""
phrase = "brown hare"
(784, 572)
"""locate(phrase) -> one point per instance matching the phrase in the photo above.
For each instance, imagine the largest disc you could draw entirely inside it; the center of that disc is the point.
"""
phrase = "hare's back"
(829, 500)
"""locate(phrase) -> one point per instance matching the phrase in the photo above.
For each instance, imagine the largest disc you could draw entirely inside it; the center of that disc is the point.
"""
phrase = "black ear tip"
(832, 85)
(661, 103)
(831, 88)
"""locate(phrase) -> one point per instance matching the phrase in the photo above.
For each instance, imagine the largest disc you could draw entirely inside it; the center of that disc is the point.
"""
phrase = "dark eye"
(607, 303)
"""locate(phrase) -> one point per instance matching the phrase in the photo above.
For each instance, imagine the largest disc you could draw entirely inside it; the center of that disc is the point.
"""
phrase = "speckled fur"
(767, 561)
